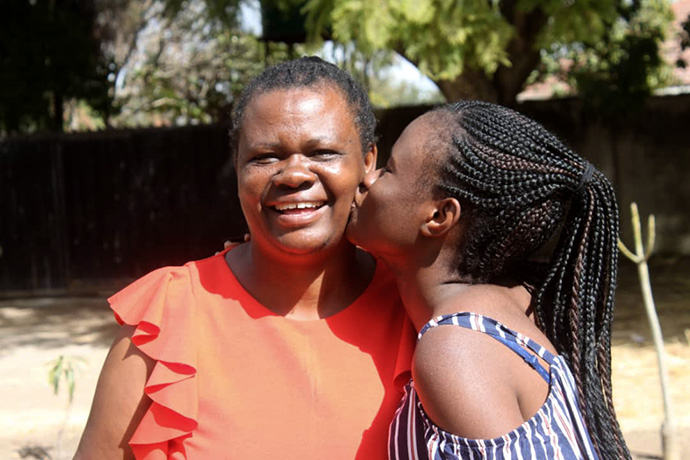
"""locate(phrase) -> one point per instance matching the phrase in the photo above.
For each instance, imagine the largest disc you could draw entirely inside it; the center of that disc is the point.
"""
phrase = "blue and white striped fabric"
(556, 431)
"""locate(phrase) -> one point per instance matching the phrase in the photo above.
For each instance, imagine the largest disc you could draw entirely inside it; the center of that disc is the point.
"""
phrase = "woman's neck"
(431, 290)
(423, 291)
(304, 287)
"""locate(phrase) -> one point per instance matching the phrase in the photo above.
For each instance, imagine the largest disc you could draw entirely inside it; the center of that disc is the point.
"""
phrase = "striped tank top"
(556, 431)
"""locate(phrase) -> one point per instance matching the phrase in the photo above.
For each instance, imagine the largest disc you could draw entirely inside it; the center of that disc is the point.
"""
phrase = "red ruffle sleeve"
(161, 307)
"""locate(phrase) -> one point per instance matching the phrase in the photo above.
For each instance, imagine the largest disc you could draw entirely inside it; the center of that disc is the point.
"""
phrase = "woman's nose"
(295, 172)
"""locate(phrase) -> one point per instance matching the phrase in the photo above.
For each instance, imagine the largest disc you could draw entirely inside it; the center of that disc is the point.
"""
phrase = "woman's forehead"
(415, 133)
(327, 93)
(303, 115)
(299, 106)
(425, 139)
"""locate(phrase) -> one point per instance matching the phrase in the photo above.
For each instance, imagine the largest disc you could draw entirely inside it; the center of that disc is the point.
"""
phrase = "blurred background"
(114, 156)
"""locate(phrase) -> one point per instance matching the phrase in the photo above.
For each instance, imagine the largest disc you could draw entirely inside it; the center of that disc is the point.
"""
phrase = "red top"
(233, 380)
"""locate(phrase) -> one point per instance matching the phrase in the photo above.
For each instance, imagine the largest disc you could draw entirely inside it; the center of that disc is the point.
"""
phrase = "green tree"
(115, 63)
(49, 53)
(615, 72)
(477, 48)
(179, 62)
(189, 68)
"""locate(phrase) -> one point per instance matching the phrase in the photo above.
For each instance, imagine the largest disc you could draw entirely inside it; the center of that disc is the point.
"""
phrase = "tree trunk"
(469, 85)
(58, 112)
(508, 81)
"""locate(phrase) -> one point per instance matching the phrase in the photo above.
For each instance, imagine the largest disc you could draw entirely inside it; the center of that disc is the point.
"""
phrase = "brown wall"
(646, 155)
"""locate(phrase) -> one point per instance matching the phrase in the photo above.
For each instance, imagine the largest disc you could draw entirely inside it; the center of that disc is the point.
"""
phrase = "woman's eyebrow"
(264, 146)
(308, 144)
(321, 140)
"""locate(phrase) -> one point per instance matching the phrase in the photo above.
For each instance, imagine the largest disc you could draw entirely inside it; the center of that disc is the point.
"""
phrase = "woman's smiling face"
(299, 162)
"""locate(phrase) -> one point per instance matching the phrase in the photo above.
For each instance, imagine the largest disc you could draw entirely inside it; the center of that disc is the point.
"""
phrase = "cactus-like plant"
(671, 448)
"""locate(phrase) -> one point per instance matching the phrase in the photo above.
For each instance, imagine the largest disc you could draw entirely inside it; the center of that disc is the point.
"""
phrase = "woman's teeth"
(304, 205)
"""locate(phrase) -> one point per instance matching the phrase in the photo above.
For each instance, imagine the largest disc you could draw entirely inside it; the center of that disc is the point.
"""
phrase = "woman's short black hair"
(309, 72)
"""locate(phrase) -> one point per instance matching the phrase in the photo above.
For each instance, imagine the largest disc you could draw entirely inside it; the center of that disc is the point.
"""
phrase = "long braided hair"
(521, 188)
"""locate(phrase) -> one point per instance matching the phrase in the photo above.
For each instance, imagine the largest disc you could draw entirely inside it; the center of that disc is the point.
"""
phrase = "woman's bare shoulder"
(464, 380)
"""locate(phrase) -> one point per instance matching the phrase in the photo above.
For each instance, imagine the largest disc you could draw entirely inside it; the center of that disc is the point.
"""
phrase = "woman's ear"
(370, 158)
(443, 216)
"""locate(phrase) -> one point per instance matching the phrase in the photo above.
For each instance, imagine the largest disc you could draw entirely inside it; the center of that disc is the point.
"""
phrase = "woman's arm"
(119, 402)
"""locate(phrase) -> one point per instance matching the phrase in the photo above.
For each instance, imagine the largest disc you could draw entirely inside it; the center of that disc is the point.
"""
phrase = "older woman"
(288, 346)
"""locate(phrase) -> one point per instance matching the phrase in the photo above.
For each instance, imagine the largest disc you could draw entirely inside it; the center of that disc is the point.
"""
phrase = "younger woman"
(497, 231)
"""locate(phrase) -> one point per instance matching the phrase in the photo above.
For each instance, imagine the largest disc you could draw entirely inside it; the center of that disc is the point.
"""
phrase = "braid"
(520, 186)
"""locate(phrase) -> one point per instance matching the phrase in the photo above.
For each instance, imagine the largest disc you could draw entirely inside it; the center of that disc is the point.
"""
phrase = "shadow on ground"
(49, 326)
(671, 288)
(55, 322)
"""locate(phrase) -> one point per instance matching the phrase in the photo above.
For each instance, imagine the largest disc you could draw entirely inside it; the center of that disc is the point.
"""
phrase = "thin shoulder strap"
(517, 342)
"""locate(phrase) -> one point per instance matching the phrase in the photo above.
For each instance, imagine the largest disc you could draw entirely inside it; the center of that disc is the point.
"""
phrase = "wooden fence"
(99, 209)
(84, 210)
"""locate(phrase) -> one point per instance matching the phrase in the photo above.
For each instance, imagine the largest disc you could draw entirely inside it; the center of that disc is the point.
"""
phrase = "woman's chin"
(308, 243)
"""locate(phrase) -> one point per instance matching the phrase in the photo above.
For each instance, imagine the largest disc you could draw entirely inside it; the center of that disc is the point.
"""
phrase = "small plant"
(64, 368)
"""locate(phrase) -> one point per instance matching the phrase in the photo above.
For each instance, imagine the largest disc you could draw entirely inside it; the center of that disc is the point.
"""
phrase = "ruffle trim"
(160, 306)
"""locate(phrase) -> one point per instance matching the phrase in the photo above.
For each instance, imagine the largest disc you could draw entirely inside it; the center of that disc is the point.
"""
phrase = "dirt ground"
(36, 423)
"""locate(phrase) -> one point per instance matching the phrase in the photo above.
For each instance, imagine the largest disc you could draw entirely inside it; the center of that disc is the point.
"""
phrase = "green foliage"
(617, 71)
(185, 61)
(224, 12)
(49, 53)
(375, 73)
(173, 61)
(446, 36)
(197, 71)
(440, 36)
(196, 85)
(188, 65)
(449, 39)
(571, 21)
